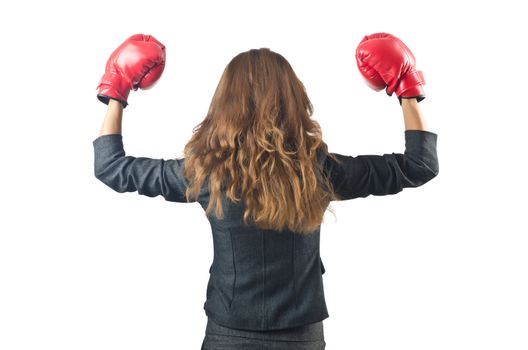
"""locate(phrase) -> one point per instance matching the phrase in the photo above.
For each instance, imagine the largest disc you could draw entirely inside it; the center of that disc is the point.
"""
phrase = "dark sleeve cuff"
(109, 140)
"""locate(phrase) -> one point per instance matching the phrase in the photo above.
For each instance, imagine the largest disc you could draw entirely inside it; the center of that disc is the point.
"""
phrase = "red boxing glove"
(386, 62)
(137, 62)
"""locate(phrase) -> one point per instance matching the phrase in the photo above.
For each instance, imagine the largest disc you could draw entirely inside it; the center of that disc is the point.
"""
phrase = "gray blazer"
(262, 279)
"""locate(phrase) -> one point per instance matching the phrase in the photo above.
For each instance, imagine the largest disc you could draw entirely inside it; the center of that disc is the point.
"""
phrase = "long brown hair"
(259, 144)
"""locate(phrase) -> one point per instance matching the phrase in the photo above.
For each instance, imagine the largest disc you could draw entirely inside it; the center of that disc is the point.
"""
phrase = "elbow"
(431, 176)
(110, 181)
(100, 174)
(422, 173)
(421, 168)
(434, 168)
(429, 173)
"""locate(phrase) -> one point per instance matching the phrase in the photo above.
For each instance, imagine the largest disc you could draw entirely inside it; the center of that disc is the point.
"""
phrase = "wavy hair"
(259, 144)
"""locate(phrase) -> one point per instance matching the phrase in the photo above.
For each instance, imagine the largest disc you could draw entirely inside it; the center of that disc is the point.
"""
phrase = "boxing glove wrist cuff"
(113, 85)
(411, 86)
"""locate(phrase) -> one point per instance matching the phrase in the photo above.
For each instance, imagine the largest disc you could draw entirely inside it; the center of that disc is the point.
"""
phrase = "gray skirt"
(307, 337)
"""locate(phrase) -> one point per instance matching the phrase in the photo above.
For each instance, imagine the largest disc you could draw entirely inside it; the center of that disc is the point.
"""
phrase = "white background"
(443, 266)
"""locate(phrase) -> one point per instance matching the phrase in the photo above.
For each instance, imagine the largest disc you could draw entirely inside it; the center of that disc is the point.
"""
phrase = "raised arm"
(136, 63)
(387, 63)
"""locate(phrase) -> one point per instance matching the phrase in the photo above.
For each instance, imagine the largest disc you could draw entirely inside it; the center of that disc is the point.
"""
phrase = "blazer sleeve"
(149, 177)
(386, 174)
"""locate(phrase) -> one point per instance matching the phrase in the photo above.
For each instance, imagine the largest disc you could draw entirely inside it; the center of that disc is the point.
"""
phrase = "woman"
(259, 168)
